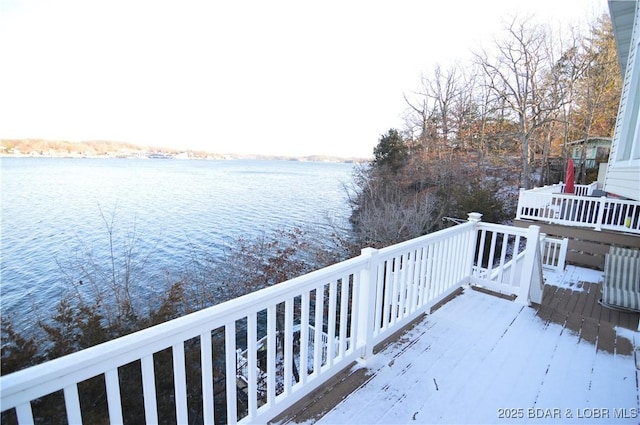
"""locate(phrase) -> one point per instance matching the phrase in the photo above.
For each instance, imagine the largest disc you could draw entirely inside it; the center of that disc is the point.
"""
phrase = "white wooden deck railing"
(242, 362)
(554, 252)
(359, 302)
(502, 258)
(578, 189)
(581, 211)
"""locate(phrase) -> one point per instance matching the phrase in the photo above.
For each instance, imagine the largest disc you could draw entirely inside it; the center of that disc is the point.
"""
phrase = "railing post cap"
(475, 216)
(368, 251)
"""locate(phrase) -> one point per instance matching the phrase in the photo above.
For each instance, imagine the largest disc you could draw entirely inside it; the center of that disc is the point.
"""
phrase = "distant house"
(595, 150)
(623, 172)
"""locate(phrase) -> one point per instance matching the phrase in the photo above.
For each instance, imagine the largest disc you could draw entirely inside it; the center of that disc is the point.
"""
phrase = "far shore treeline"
(39, 148)
(475, 133)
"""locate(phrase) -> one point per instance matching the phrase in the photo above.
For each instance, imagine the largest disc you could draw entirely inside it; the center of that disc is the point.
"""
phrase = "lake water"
(52, 210)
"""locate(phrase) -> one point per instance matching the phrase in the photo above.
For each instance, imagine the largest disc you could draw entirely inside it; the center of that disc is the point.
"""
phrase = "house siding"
(624, 182)
(623, 173)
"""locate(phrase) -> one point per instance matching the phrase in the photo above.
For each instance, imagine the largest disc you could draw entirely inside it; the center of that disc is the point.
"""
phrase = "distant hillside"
(62, 147)
(42, 146)
(107, 148)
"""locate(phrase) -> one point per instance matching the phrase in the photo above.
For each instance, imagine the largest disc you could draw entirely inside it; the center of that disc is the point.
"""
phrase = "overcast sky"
(270, 76)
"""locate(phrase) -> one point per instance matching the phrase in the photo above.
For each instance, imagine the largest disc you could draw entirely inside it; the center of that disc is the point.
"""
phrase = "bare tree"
(516, 75)
(559, 87)
(443, 89)
(588, 72)
(465, 111)
(420, 120)
(435, 107)
(599, 87)
(568, 69)
(384, 210)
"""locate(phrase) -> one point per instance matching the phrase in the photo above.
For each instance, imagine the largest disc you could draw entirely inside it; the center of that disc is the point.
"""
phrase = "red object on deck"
(569, 187)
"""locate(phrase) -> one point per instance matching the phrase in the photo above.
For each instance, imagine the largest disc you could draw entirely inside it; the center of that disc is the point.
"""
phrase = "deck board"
(479, 354)
(459, 365)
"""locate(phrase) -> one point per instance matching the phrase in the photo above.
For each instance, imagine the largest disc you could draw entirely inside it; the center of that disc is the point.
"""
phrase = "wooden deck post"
(532, 254)
(475, 218)
(600, 218)
(366, 305)
(520, 202)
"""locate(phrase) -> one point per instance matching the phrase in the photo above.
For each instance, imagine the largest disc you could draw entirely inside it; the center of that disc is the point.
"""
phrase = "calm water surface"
(52, 211)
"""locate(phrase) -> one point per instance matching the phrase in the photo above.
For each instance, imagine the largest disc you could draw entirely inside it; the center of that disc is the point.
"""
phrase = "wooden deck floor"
(483, 359)
(581, 312)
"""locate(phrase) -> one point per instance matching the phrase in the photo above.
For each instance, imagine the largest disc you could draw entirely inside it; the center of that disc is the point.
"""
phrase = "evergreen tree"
(391, 151)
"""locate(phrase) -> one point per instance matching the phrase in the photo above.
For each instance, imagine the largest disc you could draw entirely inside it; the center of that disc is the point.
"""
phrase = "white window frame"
(630, 130)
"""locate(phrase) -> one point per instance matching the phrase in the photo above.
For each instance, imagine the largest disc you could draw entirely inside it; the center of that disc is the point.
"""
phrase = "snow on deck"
(573, 277)
(484, 359)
